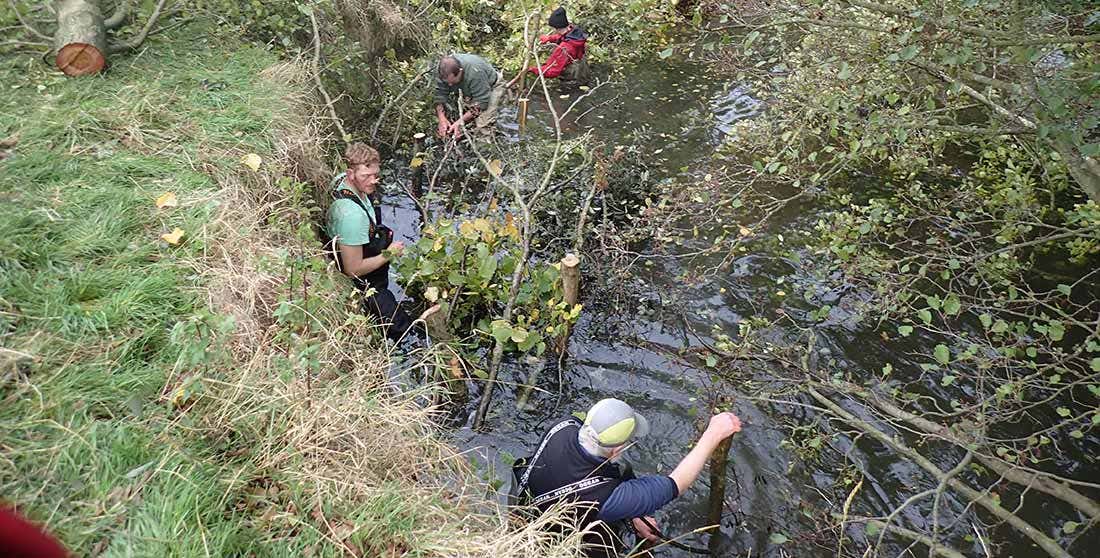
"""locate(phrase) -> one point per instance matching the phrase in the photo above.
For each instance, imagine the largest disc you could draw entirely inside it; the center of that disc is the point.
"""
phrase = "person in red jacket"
(567, 60)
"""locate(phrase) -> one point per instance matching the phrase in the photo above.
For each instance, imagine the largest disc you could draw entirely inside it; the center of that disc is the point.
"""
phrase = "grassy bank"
(212, 396)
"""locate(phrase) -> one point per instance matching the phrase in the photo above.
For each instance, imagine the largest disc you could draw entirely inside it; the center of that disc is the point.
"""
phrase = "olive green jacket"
(477, 83)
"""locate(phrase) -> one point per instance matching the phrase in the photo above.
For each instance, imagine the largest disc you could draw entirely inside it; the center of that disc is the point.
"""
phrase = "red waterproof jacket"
(570, 48)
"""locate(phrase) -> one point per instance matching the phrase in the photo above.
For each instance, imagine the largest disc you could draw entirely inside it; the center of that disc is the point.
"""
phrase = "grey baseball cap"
(615, 423)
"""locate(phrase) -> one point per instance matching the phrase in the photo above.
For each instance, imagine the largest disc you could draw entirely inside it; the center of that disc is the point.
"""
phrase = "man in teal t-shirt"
(360, 240)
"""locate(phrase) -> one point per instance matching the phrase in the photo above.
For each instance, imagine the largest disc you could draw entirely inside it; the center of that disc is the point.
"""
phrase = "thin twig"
(140, 37)
(317, 79)
(382, 115)
(29, 27)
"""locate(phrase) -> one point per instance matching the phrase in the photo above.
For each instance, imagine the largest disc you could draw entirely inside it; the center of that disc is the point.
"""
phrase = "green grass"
(219, 397)
(89, 293)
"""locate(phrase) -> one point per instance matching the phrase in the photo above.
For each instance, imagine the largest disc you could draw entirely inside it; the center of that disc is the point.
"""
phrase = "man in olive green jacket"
(466, 83)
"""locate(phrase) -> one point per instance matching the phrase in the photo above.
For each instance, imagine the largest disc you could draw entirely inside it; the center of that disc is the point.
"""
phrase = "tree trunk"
(81, 38)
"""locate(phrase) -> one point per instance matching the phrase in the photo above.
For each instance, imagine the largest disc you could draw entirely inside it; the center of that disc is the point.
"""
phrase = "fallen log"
(81, 44)
(81, 38)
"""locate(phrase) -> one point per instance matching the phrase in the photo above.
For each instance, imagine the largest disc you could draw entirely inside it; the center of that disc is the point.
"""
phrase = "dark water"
(630, 352)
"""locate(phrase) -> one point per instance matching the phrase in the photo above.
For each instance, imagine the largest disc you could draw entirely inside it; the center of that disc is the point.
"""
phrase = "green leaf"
(951, 305)
(1064, 289)
(947, 380)
(530, 341)
(519, 335)
(711, 361)
(943, 356)
(1076, 434)
(501, 330)
(986, 320)
(1063, 412)
(750, 38)
(845, 71)
(1095, 364)
(999, 327)
(924, 315)
(1056, 330)
(488, 268)
(908, 53)
(871, 529)
(778, 538)
(906, 330)
(1069, 527)
(933, 302)
(665, 53)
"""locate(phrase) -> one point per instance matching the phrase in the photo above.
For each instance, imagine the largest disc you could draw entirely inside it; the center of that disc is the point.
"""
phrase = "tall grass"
(219, 397)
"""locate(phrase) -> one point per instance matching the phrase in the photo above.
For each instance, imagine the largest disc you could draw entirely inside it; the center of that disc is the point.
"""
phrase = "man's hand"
(723, 425)
(644, 531)
(455, 129)
(424, 315)
(397, 248)
(444, 126)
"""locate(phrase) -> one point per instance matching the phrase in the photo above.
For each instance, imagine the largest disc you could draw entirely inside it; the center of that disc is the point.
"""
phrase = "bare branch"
(317, 78)
(119, 17)
(945, 552)
(382, 115)
(1037, 536)
(29, 27)
(140, 37)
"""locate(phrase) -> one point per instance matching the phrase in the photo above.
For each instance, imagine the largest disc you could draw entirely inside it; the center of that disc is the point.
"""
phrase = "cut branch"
(140, 37)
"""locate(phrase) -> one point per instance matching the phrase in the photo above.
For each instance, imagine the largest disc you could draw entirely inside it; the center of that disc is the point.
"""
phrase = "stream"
(629, 353)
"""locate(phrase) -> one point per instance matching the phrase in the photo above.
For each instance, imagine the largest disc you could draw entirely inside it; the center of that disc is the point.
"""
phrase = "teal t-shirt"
(348, 224)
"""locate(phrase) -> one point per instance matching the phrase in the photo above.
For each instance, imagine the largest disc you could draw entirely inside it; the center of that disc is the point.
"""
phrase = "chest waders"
(381, 304)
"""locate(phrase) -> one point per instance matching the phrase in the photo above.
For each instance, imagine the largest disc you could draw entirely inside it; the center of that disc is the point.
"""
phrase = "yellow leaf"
(168, 199)
(252, 161)
(496, 167)
(173, 237)
(482, 224)
(493, 204)
(467, 230)
(416, 162)
(744, 231)
(179, 397)
(432, 294)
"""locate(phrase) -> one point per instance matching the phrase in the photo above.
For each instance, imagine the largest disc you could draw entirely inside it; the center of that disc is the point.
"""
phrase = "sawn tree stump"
(81, 38)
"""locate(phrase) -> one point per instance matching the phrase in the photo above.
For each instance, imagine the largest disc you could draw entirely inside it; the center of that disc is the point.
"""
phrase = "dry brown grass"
(354, 449)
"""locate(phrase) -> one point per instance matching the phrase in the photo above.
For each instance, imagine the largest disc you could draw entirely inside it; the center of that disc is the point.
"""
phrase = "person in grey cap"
(577, 462)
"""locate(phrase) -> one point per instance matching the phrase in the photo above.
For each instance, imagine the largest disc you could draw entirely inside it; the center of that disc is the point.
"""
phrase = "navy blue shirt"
(636, 497)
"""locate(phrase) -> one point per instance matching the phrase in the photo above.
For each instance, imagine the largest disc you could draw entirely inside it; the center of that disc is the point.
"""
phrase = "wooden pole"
(571, 289)
(717, 499)
(522, 113)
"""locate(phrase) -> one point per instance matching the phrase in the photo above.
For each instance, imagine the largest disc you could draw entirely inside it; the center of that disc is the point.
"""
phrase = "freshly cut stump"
(81, 39)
